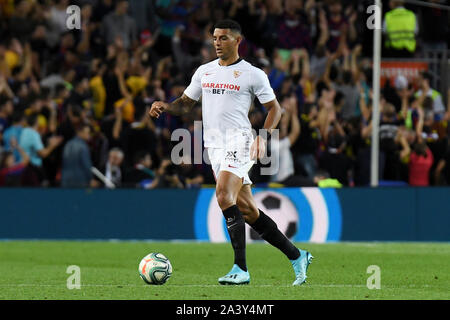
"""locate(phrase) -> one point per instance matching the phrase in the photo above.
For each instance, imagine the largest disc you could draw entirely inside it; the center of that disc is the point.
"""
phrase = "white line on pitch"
(217, 285)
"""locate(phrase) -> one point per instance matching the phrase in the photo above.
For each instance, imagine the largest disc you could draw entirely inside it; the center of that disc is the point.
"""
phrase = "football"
(155, 269)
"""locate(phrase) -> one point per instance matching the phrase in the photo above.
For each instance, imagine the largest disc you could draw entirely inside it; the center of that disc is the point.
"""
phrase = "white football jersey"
(227, 93)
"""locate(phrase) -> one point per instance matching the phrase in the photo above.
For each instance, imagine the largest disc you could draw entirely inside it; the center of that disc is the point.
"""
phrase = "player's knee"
(224, 199)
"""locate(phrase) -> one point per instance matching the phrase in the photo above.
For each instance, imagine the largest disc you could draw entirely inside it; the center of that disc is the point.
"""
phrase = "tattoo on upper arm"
(187, 101)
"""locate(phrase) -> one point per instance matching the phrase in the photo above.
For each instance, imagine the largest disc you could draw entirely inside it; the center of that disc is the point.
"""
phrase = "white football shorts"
(234, 157)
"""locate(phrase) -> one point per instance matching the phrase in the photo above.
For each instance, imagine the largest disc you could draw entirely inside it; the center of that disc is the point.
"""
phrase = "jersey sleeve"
(261, 86)
(194, 90)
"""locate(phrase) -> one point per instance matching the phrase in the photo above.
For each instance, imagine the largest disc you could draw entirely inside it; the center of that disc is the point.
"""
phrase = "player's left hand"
(258, 148)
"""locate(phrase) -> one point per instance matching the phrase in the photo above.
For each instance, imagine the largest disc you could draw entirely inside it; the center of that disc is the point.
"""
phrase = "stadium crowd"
(75, 99)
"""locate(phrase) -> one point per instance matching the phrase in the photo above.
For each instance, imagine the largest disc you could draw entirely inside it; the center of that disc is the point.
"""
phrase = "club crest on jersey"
(237, 73)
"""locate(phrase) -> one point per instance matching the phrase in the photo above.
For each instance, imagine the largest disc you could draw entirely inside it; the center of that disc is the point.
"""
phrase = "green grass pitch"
(37, 270)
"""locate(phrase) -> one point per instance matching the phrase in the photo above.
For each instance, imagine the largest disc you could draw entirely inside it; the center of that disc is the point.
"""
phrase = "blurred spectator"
(420, 162)
(430, 130)
(12, 171)
(389, 126)
(400, 27)
(142, 136)
(185, 62)
(293, 30)
(140, 175)
(76, 165)
(101, 9)
(13, 132)
(322, 180)
(304, 149)
(143, 12)
(424, 85)
(393, 94)
(189, 175)
(347, 87)
(170, 14)
(56, 19)
(167, 176)
(279, 71)
(281, 154)
(335, 162)
(112, 169)
(73, 117)
(21, 23)
(6, 110)
(31, 142)
(119, 27)
(338, 26)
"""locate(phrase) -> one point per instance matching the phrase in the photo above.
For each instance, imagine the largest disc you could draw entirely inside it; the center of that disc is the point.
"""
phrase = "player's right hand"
(258, 148)
(157, 108)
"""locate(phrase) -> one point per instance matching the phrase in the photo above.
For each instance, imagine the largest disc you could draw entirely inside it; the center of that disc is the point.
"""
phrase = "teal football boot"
(300, 266)
(236, 276)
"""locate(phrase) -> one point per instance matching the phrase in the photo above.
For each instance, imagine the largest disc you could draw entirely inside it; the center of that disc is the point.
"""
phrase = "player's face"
(226, 43)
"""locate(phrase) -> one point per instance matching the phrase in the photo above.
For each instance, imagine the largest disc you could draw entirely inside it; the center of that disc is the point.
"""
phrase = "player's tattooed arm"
(181, 105)
(177, 107)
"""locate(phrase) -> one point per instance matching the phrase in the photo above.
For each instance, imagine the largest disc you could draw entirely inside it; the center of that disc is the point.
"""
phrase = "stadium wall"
(304, 214)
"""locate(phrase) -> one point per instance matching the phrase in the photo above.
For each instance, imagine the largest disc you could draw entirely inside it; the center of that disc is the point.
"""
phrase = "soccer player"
(227, 87)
